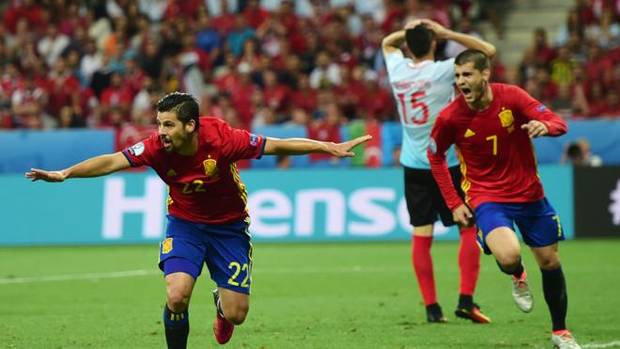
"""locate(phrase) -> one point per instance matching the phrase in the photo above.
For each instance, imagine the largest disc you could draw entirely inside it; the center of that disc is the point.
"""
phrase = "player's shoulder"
(455, 106)
(152, 142)
(213, 129)
(505, 88)
(148, 146)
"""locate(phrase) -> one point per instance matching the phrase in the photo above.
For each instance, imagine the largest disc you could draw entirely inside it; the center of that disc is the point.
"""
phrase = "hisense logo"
(614, 208)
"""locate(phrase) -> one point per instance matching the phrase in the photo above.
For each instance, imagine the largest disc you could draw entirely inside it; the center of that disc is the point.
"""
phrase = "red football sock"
(469, 260)
(423, 267)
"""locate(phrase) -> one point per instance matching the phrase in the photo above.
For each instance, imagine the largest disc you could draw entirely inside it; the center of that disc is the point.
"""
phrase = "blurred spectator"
(578, 153)
(52, 44)
(240, 33)
(562, 68)
(326, 73)
(453, 48)
(605, 33)
(326, 129)
(573, 25)
(612, 104)
(542, 51)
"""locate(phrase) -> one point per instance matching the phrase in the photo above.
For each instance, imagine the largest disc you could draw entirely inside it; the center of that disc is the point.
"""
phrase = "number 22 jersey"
(421, 90)
(204, 187)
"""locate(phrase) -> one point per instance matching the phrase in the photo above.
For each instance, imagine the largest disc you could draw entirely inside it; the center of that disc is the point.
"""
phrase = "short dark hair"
(182, 104)
(480, 60)
(419, 40)
(574, 152)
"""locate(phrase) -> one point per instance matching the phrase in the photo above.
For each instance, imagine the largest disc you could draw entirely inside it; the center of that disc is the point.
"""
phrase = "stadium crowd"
(577, 73)
(315, 63)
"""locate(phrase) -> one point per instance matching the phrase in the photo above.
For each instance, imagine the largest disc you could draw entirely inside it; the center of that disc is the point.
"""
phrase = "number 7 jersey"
(498, 162)
(421, 90)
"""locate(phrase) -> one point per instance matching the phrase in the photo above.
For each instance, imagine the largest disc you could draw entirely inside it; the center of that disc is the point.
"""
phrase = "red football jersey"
(497, 157)
(204, 187)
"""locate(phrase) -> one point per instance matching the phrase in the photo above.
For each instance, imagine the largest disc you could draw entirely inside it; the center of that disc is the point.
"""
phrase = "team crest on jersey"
(166, 246)
(507, 120)
(136, 149)
(210, 166)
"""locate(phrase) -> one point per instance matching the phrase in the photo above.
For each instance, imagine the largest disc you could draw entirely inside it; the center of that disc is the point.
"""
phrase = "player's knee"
(177, 300)
(508, 262)
(237, 313)
(549, 262)
(509, 259)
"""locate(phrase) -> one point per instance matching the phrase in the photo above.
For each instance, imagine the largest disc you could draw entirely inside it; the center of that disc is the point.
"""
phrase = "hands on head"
(440, 31)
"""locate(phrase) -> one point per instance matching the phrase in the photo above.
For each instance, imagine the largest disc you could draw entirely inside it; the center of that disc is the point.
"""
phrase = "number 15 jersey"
(421, 90)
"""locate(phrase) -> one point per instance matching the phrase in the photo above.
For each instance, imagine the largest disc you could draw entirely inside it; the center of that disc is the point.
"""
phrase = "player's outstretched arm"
(299, 146)
(93, 167)
(466, 40)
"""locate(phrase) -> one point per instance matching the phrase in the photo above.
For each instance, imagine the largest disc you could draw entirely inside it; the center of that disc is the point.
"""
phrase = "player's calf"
(222, 328)
(176, 326)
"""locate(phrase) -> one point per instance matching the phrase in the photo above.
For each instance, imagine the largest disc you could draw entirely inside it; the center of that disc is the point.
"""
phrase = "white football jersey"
(421, 91)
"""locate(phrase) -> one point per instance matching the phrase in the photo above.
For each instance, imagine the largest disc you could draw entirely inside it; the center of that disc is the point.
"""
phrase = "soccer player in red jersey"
(492, 126)
(208, 221)
(424, 87)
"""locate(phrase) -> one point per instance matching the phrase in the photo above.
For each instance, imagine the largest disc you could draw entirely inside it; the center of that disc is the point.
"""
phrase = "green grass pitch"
(358, 295)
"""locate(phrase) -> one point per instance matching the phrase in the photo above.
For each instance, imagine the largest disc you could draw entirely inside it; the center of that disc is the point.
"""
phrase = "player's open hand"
(535, 128)
(36, 174)
(463, 216)
(343, 149)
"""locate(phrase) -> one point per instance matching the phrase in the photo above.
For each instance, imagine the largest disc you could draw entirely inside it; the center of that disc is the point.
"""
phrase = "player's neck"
(484, 101)
(428, 57)
(191, 147)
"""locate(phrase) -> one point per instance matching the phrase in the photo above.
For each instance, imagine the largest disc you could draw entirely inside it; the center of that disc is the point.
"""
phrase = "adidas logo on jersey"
(469, 133)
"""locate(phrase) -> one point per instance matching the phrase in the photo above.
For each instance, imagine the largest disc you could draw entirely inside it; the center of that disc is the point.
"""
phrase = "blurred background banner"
(597, 201)
(23, 149)
(285, 205)
(62, 148)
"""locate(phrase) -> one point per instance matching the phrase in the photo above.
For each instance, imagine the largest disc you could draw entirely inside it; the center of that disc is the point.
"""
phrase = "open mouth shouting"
(467, 93)
(166, 141)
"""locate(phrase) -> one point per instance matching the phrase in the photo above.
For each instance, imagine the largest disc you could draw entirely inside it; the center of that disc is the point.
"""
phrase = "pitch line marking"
(69, 277)
(601, 345)
(150, 272)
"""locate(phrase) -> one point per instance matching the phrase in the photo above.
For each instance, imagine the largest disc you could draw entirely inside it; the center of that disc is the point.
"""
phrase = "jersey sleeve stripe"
(126, 154)
(262, 148)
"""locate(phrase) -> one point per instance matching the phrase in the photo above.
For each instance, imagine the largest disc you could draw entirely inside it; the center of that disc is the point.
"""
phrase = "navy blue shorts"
(538, 222)
(225, 249)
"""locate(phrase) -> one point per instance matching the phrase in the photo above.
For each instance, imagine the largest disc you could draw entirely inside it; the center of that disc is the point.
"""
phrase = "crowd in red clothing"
(577, 73)
(103, 63)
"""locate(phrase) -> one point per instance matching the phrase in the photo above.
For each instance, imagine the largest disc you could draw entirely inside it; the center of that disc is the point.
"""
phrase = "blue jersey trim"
(131, 163)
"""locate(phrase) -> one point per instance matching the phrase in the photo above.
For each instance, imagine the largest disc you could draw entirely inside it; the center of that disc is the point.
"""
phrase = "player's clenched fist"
(462, 215)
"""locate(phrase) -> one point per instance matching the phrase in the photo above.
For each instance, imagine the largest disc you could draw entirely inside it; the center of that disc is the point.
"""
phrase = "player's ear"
(190, 126)
(486, 75)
